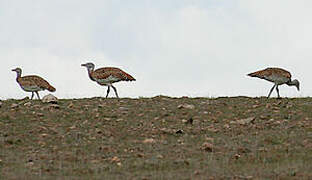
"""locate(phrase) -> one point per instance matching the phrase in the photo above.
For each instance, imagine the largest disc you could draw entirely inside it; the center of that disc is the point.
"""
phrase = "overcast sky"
(172, 47)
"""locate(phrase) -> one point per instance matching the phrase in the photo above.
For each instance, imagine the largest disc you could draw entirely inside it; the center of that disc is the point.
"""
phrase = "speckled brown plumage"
(278, 76)
(104, 73)
(270, 72)
(107, 76)
(32, 83)
(34, 80)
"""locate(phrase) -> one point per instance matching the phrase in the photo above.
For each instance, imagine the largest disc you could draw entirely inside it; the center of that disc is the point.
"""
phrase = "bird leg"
(108, 89)
(32, 95)
(115, 91)
(271, 90)
(38, 95)
(277, 90)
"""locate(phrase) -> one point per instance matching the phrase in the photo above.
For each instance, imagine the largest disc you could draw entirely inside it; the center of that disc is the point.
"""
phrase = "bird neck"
(90, 71)
(18, 74)
(291, 83)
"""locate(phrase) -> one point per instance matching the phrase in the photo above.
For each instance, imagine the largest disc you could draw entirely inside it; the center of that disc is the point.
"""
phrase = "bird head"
(89, 66)
(297, 84)
(17, 70)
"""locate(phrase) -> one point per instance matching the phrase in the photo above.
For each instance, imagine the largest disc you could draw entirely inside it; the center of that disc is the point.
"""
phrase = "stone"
(186, 106)
(207, 147)
(246, 121)
(27, 104)
(13, 106)
(55, 106)
(49, 99)
(148, 141)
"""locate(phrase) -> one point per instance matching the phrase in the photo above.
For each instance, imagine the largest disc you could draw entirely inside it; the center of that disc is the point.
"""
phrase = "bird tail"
(51, 88)
(255, 74)
(252, 74)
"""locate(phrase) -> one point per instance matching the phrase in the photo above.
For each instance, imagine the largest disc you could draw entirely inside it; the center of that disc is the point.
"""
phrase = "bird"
(278, 76)
(106, 76)
(32, 83)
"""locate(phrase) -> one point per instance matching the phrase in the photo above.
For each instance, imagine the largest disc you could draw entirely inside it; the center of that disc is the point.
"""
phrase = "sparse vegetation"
(157, 138)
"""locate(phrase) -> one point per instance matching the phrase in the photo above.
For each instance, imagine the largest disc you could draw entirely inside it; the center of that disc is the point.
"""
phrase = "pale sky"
(197, 48)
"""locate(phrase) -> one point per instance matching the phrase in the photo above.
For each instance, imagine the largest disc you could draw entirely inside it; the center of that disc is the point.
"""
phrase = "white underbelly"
(278, 80)
(107, 81)
(32, 88)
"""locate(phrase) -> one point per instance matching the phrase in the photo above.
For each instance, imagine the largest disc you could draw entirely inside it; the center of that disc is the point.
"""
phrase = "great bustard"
(32, 83)
(107, 76)
(278, 76)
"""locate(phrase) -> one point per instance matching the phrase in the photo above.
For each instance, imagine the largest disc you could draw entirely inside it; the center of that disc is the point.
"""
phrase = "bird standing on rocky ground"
(107, 76)
(32, 83)
(276, 75)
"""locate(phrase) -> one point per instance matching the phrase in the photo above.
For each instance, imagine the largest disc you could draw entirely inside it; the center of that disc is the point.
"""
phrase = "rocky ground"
(157, 138)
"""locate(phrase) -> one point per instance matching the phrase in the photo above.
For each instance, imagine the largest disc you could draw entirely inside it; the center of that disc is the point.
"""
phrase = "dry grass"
(157, 138)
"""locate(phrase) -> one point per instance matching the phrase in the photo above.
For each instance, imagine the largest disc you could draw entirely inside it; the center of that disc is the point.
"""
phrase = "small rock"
(149, 141)
(184, 121)
(30, 164)
(140, 155)
(123, 109)
(207, 147)
(186, 106)
(189, 121)
(55, 106)
(255, 106)
(49, 99)
(44, 135)
(237, 156)
(119, 119)
(246, 121)
(40, 114)
(277, 122)
(13, 106)
(226, 126)
(107, 119)
(115, 159)
(27, 104)
(70, 105)
(165, 131)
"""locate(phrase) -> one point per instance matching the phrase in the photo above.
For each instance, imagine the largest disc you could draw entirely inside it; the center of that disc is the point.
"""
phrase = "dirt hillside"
(157, 138)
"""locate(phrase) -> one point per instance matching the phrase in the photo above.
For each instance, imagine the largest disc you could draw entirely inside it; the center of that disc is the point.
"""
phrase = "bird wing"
(34, 80)
(116, 73)
(268, 72)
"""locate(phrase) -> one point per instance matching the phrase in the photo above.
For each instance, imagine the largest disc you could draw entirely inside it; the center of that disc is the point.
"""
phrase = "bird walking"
(276, 75)
(32, 83)
(107, 76)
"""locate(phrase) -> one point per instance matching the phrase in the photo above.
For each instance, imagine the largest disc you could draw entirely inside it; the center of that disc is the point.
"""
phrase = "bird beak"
(83, 64)
(13, 69)
(298, 88)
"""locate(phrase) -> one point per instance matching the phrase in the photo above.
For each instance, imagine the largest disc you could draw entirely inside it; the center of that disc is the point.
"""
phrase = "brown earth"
(157, 138)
